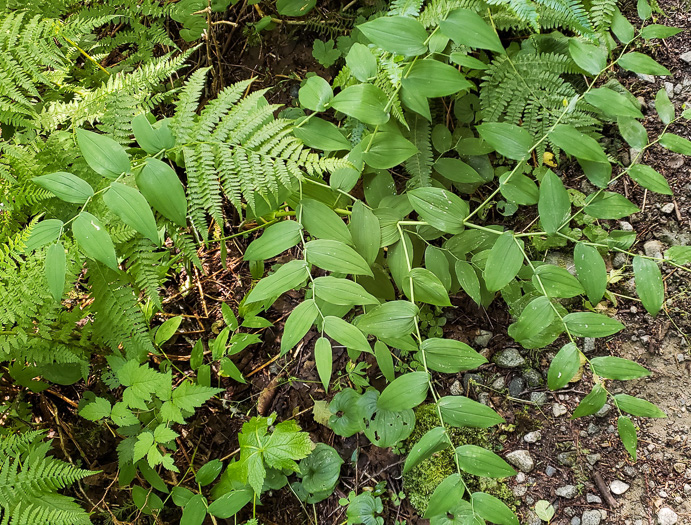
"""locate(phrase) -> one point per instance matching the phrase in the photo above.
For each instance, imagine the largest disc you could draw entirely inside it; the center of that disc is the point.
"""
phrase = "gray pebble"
(483, 338)
(516, 386)
(591, 517)
(519, 491)
(509, 358)
(593, 458)
(593, 429)
(567, 491)
(653, 249)
(668, 208)
(539, 398)
(558, 409)
(499, 383)
(588, 345)
(686, 57)
(667, 516)
(521, 459)
(533, 377)
(456, 389)
(618, 261)
(468, 379)
(592, 498)
(532, 437)
(604, 411)
(575, 520)
(618, 487)
(568, 459)
(551, 471)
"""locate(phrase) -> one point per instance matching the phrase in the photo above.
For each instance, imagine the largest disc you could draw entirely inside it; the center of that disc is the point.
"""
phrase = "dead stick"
(602, 487)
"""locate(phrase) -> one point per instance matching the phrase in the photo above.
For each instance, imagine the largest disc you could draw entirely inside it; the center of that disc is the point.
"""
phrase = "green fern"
(29, 481)
(419, 166)
(236, 147)
(118, 321)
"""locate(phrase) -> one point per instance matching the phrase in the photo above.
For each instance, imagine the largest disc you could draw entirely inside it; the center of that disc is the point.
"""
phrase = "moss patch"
(420, 482)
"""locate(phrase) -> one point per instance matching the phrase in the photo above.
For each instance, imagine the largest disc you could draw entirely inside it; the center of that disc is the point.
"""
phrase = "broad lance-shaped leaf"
(535, 317)
(504, 262)
(55, 269)
(366, 231)
(493, 509)
(508, 140)
(460, 411)
(591, 403)
(66, 187)
(43, 233)
(637, 407)
(161, 186)
(94, 239)
(391, 319)
(335, 256)
(315, 94)
(404, 392)
(439, 208)
(432, 78)
(649, 178)
(664, 107)
(289, 276)
(481, 462)
(465, 27)
(322, 222)
(556, 281)
(446, 497)
(276, 239)
(554, 205)
(152, 139)
(589, 324)
(346, 334)
(627, 434)
(131, 206)
(649, 285)
(364, 102)
(588, 57)
(103, 155)
(343, 292)
(384, 360)
(610, 205)
(578, 144)
(323, 357)
(396, 34)
(591, 270)
(427, 288)
(675, 143)
(563, 367)
(642, 64)
(619, 368)
(387, 149)
(432, 442)
(612, 103)
(450, 356)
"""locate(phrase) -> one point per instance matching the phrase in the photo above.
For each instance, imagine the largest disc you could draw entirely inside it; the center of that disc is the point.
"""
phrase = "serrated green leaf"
(188, 396)
(99, 408)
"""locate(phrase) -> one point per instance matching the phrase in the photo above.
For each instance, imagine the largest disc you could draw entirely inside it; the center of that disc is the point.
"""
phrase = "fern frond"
(419, 166)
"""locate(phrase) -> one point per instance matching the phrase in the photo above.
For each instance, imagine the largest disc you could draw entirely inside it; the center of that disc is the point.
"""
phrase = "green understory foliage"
(377, 199)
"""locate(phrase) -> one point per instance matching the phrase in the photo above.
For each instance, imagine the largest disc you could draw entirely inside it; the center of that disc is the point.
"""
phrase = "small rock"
(591, 517)
(667, 516)
(569, 511)
(592, 498)
(650, 79)
(509, 358)
(653, 249)
(618, 261)
(532, 519)
(667, 208)
(630, 471)
(520, 490)
(669, 88)
(483, 397)
(679, 468)
(521, 459)
(558, 409)
(468, 379)
(456, 389)
(520, 477)
(532, 377)
(568, 459)
(532, 437)
(499, 383)
(604, 411)
(575, 520)
(687, 489)
(593, 429)
(516, 386)
(681, 358)
(551, 471)
(567, 491)
(625, 226)
(641, 101)
(483, 338)
(593, 458)
(539, 398)
(618, 487)
(686, 57)
(589, 343)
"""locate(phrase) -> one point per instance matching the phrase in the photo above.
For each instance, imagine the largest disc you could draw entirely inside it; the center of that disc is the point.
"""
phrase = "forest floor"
(575, 461)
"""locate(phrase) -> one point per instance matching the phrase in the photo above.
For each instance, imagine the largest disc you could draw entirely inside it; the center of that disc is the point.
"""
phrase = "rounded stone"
(509, 358)
(516, 386)
(667, 516)
(618, 487)
(532, 437)
(521, 459)
(591, 517)
(567, 491)
(558, 409)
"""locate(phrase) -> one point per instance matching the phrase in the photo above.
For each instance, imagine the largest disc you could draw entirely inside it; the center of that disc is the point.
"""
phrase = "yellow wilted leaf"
(548, 158)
